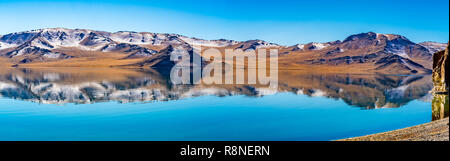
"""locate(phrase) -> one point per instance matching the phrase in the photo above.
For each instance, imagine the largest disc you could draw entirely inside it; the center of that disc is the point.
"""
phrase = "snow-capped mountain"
(387, 52)
(55, 38)
(255, 44)
(434, 47)
(389, 43)
(58, 43)
(53, 44)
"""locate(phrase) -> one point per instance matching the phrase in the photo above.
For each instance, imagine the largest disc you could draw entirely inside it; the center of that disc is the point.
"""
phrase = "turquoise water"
(51, 104)
(283, 116)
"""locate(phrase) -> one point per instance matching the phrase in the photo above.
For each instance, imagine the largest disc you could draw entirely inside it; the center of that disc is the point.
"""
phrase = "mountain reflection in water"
(91, 85)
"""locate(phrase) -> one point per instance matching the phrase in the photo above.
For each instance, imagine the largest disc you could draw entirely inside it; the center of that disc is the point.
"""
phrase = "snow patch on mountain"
(433, 47)
(397, 49)
(41, 44)
(132, 37)
(209, 43)
(52, 55)
(318, 46)
(64, 37)
(389, 36)
(18, 38)
(6, 46)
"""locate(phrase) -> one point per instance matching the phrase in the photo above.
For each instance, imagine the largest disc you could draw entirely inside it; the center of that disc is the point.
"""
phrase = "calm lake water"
(126, 104)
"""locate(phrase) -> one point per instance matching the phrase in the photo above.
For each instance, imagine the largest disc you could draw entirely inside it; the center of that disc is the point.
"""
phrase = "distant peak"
(392, 36)
(433, 42)
(56, 28)
(367, 35)
(373, 35)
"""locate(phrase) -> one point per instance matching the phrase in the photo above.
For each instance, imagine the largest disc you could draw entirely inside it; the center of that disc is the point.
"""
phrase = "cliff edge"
(440, 71)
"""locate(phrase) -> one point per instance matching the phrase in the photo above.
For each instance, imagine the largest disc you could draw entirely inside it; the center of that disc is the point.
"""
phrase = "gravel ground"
(433, 131)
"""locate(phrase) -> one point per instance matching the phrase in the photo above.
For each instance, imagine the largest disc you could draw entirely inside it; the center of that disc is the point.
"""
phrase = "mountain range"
(386, 53)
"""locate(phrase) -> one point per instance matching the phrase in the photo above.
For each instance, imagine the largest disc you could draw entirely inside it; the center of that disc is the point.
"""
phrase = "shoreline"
(432, 131)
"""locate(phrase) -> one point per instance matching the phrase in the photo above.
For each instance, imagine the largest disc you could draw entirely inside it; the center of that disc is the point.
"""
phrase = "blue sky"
(283, 22)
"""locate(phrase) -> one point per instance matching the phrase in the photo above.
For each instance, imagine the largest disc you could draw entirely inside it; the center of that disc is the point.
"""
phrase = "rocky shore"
(432, 131)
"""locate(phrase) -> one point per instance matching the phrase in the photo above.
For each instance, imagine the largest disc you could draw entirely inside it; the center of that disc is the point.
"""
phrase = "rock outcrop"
(440, 71)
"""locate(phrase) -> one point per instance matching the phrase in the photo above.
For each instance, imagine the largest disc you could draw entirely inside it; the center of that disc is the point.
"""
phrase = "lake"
(142, 104)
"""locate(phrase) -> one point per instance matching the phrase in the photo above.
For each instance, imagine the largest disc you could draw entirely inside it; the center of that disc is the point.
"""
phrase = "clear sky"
(280, 21)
